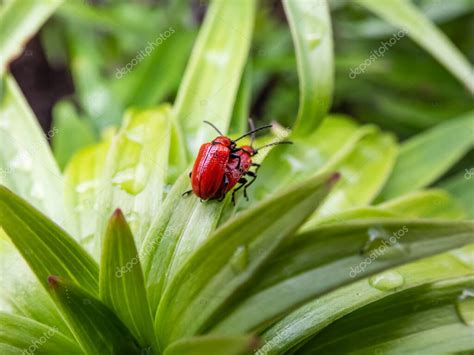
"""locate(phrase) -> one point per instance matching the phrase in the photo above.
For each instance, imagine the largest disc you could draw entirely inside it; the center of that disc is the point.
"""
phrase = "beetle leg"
(242, 182)
(186, 193)
(253, 176)
(225, 183)
(190, 173)
(257, 166)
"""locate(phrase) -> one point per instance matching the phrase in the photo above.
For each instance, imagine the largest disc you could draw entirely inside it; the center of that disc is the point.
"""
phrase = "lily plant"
(348, 243)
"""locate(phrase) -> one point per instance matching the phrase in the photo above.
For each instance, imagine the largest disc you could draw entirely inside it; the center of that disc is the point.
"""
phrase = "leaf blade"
(310, 25)
(122, 287)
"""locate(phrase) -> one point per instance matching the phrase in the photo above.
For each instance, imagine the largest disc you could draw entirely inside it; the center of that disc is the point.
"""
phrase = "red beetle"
(220, 165)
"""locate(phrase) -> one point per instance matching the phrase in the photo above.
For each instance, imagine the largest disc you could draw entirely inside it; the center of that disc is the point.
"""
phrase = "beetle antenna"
(217, 129)
(276, 143)
(252, 128)
(252, 132)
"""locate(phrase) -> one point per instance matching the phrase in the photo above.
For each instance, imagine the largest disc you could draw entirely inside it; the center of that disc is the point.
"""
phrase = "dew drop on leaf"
(314, 39)
(387, 281)
(240, 259)
(465, 256)
(382, 245)
(465, 307)
(131, 180)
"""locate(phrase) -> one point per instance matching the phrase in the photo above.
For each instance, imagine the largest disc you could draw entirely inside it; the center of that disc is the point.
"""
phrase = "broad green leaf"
(135, 170)
(121, 285)
(404, 15)
(70, 132)
(20, 335)
(462, 187)
(46, 247)
(241, 111)
(425, 320)
(310, 25)
(330, 256)
(95, 327)
(206, 345)
(82, 190)
(20, 20)
(212, 76)
(426, 204)
(230, 258)
(156, 76)
(427, 156)
(321, 312)
(26, 164)
(363, 173)
(183, 224)
(92, 89)
(22, 294)
(322, 150)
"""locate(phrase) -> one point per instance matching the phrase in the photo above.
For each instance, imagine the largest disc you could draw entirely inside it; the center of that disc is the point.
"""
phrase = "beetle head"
(249, 150)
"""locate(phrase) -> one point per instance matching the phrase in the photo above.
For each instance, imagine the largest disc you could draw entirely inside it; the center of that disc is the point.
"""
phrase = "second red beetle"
(220, 165)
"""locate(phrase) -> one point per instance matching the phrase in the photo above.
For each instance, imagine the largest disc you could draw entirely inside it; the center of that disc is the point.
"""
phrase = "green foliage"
(344, 245)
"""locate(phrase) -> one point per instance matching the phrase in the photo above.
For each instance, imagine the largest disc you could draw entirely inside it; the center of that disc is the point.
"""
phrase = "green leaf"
(82, 190)
(310, 25)
(205, 345)
(20, 20)
(22, 294)
(166, 63)
(20, 335)
(95, 327)
(335, 138)
(424, 320)
(122, 286)
(136, 170)
(333, 255)
(212, 77)
(93, 91)
(321, 312)
(45, 246)
(403, 14)
(26, 164)
(462, 187)
(427, 156)
(70, 132)
(183, 224)
(230, 258)
(363, 173)
(426, 204)
(241, 111)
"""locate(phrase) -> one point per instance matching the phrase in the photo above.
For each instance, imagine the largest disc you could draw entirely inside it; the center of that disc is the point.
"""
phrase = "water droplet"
(240, 259)
(4, 122)
(136, 134)
(465, 307)
(37, 191)
(85, 186)
(381, 245)
(387, 281)
(219, 58)
(465, 256)
(22, 161)
(132, 180)
(314, 39)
